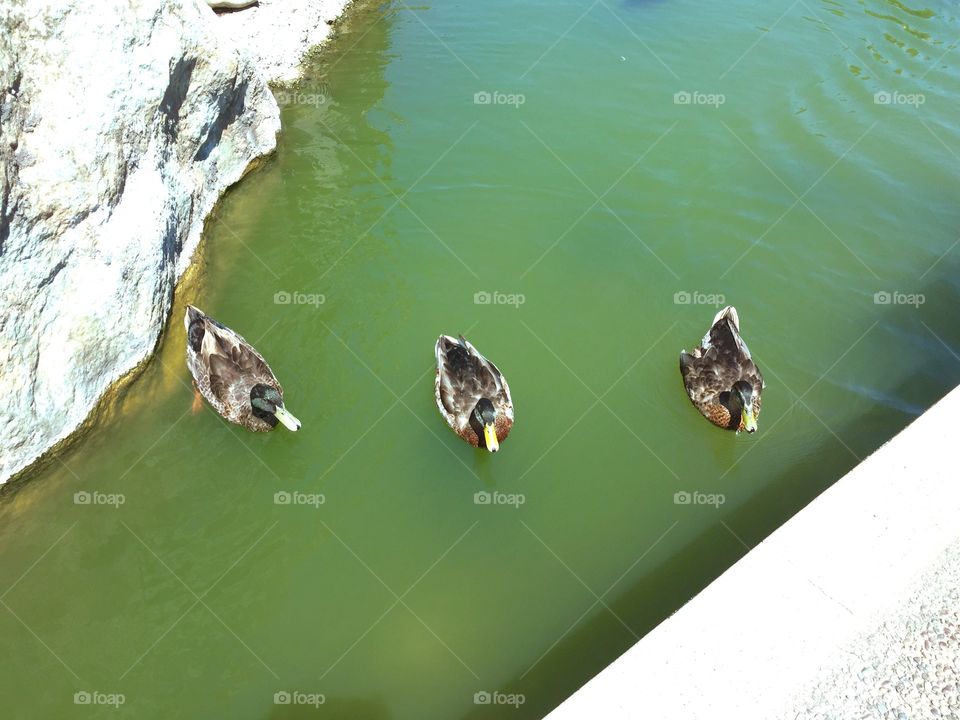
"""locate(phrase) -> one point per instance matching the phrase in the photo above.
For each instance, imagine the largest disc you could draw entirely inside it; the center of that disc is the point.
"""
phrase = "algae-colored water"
(785, 185)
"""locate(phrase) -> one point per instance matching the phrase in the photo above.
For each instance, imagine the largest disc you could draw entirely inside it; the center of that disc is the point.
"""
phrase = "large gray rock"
(121, 123)
(278, 33)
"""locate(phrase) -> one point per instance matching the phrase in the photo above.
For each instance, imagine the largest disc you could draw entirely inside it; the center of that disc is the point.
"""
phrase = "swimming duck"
(232, 376)
(472, 394)
(721, 378)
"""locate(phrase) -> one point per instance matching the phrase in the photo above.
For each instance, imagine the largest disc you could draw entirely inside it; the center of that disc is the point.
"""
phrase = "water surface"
(398, 197)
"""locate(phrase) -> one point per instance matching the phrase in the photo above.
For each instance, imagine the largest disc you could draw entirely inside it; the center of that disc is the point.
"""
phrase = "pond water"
(575, 186)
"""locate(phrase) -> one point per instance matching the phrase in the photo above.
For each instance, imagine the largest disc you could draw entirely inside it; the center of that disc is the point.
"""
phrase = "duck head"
(485, 416)
(743, 392)
(267, 405)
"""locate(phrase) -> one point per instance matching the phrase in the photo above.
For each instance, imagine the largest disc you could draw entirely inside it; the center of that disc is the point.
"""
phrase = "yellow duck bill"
(490, 438)
(749, 421)
(287, 418)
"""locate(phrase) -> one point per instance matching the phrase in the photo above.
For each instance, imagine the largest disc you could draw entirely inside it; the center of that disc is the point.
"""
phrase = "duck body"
(472, 394)
(720, 376)
(232, 376)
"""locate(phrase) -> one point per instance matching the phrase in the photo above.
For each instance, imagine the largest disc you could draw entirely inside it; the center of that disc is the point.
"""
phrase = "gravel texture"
(907, 668)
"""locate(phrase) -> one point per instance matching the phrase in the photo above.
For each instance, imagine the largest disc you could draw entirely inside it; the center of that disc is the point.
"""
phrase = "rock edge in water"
(120, 127)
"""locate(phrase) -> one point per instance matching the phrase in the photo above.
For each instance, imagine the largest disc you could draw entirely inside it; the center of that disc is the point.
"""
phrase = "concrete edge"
(749, 642)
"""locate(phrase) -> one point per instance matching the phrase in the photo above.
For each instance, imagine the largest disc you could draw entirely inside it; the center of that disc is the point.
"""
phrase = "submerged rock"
(230, 4)
(120, 125)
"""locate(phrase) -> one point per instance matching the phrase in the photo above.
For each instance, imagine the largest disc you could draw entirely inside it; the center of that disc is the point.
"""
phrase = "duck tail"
(729, 312)
(191, 315)
(444, 343)
(465, 344)
(193, 321)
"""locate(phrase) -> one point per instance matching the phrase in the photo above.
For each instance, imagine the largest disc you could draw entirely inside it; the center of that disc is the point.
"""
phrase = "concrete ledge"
(804, 599)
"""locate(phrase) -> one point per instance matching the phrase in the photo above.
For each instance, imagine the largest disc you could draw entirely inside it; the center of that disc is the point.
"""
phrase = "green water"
(397, 198)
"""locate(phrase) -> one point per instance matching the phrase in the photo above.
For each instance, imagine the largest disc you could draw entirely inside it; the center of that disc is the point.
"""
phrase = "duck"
(472, 394)
(232, 376)
(721, 378)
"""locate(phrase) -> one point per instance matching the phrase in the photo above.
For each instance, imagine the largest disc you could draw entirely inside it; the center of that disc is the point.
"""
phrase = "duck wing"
(463, 377)
(703, 377)
(230, 365)
(722, 359)
(232, 359)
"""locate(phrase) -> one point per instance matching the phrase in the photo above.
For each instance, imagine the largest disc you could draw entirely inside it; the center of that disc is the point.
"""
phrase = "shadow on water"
(599, 640)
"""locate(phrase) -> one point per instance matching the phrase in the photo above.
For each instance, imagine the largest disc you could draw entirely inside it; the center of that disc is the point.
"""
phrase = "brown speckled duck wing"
(233, 367)
(463, 377)
(243, 359)
(732, 351)
(700, 376)
(704, 387)
(231, 394)
(711, 369)
(725, 339)
(459, 384)
(495, 385)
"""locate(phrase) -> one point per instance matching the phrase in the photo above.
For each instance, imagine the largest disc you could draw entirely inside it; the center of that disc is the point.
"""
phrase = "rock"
(120, 125)
(278, 33)
(230, 4)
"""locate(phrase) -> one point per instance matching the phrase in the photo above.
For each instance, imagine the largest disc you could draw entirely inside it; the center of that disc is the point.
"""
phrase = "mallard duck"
(232, 376)
(472, 394)
(721, 378)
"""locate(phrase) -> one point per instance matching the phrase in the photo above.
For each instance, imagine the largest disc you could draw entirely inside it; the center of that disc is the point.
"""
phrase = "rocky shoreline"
(121, 127)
